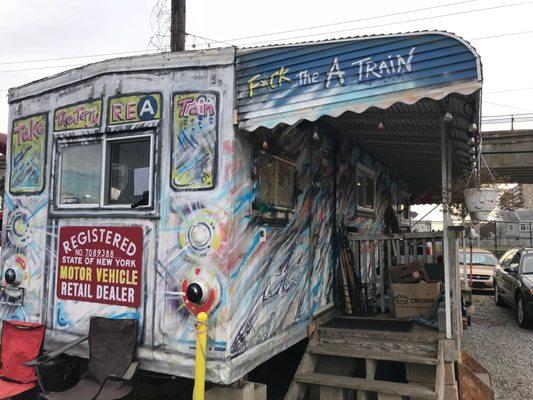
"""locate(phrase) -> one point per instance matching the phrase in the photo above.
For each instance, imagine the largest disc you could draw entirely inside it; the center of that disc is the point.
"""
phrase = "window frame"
(511, 227)
(65, 143)
(279, 215)
(364, 171)
(519, 255)
(103, 141)
(525, 227)
(104, 177)
(507, 257)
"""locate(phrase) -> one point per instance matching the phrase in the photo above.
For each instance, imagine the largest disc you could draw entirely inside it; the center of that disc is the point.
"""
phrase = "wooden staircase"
(371, 350)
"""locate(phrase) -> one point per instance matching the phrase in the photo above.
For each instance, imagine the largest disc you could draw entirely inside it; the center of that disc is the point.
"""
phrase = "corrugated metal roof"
(284, 84)
(408, 138)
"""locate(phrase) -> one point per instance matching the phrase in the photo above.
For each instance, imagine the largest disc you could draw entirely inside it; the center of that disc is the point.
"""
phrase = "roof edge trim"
(223, 56)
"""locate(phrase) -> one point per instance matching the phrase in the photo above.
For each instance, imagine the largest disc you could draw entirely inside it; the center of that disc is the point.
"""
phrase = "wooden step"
(417, 334)
(383, 345)
(373, 351)
(367, 385)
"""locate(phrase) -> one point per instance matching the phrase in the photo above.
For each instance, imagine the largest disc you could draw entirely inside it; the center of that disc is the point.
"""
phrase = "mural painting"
(339, 72)
(78, 116)
(270, 277)
(134, 108)
(194, 141)
(28, 154)
(265, 280)
(194, 229)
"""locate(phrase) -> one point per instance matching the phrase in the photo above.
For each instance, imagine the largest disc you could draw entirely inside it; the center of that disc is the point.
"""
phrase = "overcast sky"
(51, 29)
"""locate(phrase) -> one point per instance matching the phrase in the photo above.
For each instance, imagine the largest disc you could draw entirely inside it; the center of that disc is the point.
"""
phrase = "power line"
(505, 119)
(502, 35)
(38, 68)
(212, 41)
(351, 21)
(394, 23)
(507, 106)
(74, 57)
(507, 115)
(509, 90)
(209, 40)
(78, 65)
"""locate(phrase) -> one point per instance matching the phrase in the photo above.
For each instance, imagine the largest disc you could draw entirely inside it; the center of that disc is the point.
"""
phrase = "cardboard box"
(414, 299)
(407, 273)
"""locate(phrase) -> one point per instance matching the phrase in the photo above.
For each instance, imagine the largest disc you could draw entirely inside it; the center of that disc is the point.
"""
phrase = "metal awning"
(285, 84)
(407, 138)
(387, 93)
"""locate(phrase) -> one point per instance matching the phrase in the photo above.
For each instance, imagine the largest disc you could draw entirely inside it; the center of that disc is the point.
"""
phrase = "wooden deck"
(417, 333)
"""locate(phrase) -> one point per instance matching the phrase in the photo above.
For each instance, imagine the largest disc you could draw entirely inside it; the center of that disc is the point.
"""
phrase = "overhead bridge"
(510, 153)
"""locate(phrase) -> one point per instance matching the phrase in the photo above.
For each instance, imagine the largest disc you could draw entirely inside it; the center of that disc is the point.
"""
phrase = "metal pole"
(465, 279)
(496, 238)
(471, 264)
(201, 357)
(445, 215)
(177, 25)
(530, 237)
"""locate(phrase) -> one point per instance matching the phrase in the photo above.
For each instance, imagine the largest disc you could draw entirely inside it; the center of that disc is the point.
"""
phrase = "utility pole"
(177, 25)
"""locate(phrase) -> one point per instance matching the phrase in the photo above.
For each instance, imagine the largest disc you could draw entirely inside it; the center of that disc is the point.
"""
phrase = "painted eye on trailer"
(200, 235)
(12, 277)
(195, 293)
(19, 227)
(198, 292)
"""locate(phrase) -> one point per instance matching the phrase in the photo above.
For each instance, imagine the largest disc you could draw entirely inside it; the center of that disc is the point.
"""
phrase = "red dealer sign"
(100, 264)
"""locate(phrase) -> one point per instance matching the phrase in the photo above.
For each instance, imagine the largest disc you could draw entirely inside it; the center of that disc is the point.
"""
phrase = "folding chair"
(112, 346)
(21, 342)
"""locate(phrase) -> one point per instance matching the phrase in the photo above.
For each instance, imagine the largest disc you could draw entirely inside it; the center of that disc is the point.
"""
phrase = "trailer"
(159, 186)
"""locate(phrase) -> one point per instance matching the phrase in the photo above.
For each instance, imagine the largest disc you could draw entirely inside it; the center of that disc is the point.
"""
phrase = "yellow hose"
(201, 358)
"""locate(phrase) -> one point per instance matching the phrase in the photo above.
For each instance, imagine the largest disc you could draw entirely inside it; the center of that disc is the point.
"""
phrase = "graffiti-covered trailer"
(133, 180)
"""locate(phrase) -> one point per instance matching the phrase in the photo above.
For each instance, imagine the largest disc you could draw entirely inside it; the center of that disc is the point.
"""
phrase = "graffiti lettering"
(134, 108)
(365, 67)
(335, 71)
(66, 119)
(272, 81)
(81, 116)
(27, 131)
(195, 135)
(304, 78)
(279, 284)
(28, 156)
(200, 107)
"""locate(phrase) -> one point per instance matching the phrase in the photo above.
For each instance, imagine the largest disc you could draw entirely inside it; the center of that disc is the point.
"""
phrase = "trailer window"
(276, 189)
(128, 171)
(365, 188)
(80, 174)
(106, 172)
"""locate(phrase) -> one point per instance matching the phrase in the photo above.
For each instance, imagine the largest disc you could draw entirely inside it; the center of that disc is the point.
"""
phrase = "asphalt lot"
(496, 341)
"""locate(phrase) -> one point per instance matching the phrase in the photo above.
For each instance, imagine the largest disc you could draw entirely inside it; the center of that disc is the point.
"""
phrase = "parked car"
(514, 283)
(483, 264)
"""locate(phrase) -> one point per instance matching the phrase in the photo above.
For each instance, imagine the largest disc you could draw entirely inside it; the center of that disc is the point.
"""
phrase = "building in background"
(527, 195)
(507, 229)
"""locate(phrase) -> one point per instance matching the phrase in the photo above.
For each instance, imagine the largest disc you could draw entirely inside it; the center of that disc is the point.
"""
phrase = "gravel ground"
(496, 341)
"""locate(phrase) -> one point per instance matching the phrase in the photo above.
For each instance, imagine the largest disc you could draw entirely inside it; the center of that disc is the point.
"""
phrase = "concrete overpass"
(510, 153)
